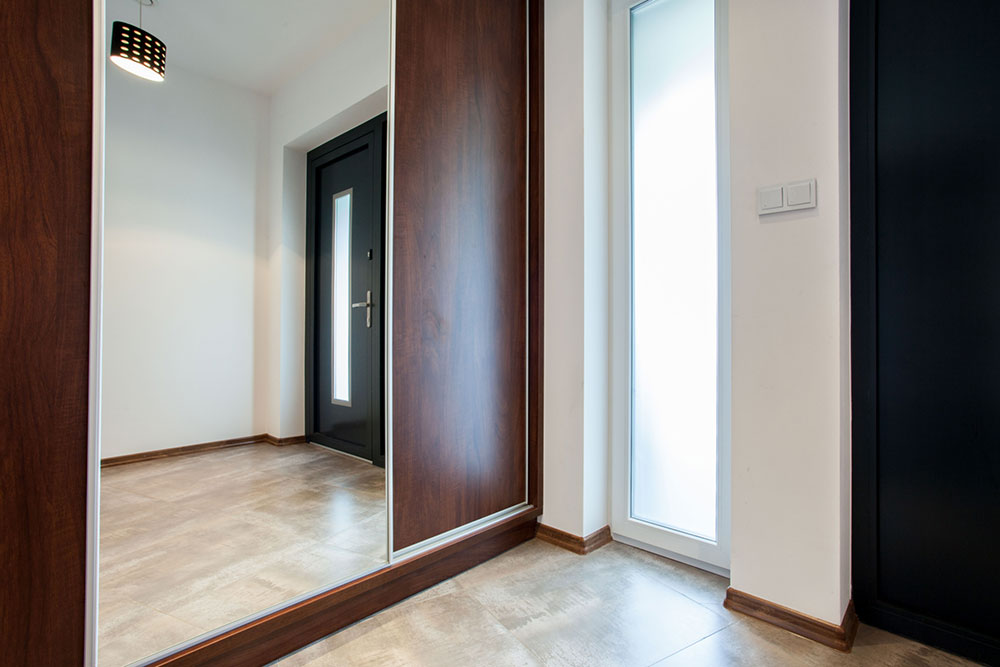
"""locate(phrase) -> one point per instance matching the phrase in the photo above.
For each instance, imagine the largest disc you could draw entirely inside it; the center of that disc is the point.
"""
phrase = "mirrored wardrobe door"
(242, 446)
(203, 226)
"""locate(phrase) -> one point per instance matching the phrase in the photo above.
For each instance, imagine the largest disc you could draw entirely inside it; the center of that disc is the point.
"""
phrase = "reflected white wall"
(181, 208)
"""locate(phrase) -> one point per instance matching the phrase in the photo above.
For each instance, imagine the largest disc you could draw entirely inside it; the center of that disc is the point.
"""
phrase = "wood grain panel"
(45, 210)
(460, 264)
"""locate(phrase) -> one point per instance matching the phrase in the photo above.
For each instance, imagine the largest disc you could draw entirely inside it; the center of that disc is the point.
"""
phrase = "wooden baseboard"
(284, 631)
(201, 447)
(178, 451)
(570, 542)
(840, 637)
(281, 442)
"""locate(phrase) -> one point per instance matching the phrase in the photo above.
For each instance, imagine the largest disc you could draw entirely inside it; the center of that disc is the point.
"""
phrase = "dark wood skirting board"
(46, 138)
(282, 632)
(571, 542)
(840, 637)
(112, 461)
(282, 442)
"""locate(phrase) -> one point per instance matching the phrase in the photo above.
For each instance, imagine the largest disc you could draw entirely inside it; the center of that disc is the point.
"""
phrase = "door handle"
(367, 305)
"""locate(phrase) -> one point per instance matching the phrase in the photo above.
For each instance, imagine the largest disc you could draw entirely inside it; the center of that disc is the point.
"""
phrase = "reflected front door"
(344, 303)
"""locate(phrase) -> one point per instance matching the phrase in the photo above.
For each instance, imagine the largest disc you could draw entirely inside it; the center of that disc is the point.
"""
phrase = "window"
(341, 254)
(673, 361)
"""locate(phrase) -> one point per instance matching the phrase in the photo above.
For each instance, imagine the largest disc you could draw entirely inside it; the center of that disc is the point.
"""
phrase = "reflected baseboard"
(201, 447)
(282, 442)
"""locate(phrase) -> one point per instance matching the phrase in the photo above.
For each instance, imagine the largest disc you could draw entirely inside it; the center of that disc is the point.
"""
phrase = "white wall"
(791, 378)
(181, 211)
(341, 90)
(576, 266)
(790, 336)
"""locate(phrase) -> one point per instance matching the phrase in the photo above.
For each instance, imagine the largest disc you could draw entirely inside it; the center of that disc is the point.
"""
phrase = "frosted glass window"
(675, 249)
(341, 328)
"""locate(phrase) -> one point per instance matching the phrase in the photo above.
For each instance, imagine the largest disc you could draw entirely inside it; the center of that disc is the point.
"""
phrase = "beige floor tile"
(751, 642)
(601, 609)
(696, 584)
(616, 606)
(443, 631)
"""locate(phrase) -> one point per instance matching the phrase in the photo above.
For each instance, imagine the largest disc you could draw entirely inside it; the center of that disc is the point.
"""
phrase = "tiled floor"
(540, 605)
(191, 543)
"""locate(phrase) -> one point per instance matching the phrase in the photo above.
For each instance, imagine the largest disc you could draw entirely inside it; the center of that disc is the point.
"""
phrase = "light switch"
(793, 196)
(801, 194)
(770, 199)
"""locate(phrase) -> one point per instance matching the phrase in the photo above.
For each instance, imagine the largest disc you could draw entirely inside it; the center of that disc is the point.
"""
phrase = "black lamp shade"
(138, 52)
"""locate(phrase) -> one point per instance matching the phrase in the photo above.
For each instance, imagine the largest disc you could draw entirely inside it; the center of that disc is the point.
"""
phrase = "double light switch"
(786, 197)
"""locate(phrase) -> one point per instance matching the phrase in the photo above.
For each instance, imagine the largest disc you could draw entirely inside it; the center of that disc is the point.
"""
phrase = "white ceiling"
(256, 44)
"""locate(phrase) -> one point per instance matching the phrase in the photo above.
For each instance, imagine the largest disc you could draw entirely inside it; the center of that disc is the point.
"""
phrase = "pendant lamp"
(137, 51)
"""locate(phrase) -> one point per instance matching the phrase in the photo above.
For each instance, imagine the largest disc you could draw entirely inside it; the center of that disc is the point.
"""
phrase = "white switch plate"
(793, 196)
(770, 199)
(801, 194)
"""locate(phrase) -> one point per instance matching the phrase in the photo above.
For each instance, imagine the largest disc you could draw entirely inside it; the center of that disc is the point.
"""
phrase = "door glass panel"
(341, 326)
(675, 266)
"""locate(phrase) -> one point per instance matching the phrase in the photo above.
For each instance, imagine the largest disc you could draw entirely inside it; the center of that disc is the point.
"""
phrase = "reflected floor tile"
(128, 630)
(316, 513)
(368, 537)
(314, 567)
(195, 542)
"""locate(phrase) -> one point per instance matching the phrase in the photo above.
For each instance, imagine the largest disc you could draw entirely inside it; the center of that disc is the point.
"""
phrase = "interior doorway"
(344, 292)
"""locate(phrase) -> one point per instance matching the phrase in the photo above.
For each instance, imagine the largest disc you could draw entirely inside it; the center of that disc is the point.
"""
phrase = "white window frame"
(709, 555)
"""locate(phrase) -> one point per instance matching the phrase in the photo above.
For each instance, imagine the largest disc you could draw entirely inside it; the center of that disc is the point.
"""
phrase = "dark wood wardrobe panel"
(45, 209)
(460, 264)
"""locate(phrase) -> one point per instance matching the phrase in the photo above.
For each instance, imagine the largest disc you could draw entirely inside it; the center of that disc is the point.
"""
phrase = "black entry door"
(926, 305)
(344, 292)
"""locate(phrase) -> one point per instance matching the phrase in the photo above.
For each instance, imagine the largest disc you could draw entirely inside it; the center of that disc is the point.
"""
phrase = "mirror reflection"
(242, 448)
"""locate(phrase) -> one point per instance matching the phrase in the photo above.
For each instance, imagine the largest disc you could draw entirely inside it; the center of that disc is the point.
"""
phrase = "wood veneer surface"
(45, 224)
(460, 264)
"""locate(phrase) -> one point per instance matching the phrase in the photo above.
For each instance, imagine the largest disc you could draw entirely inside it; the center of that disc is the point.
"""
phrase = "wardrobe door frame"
(50, 600)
